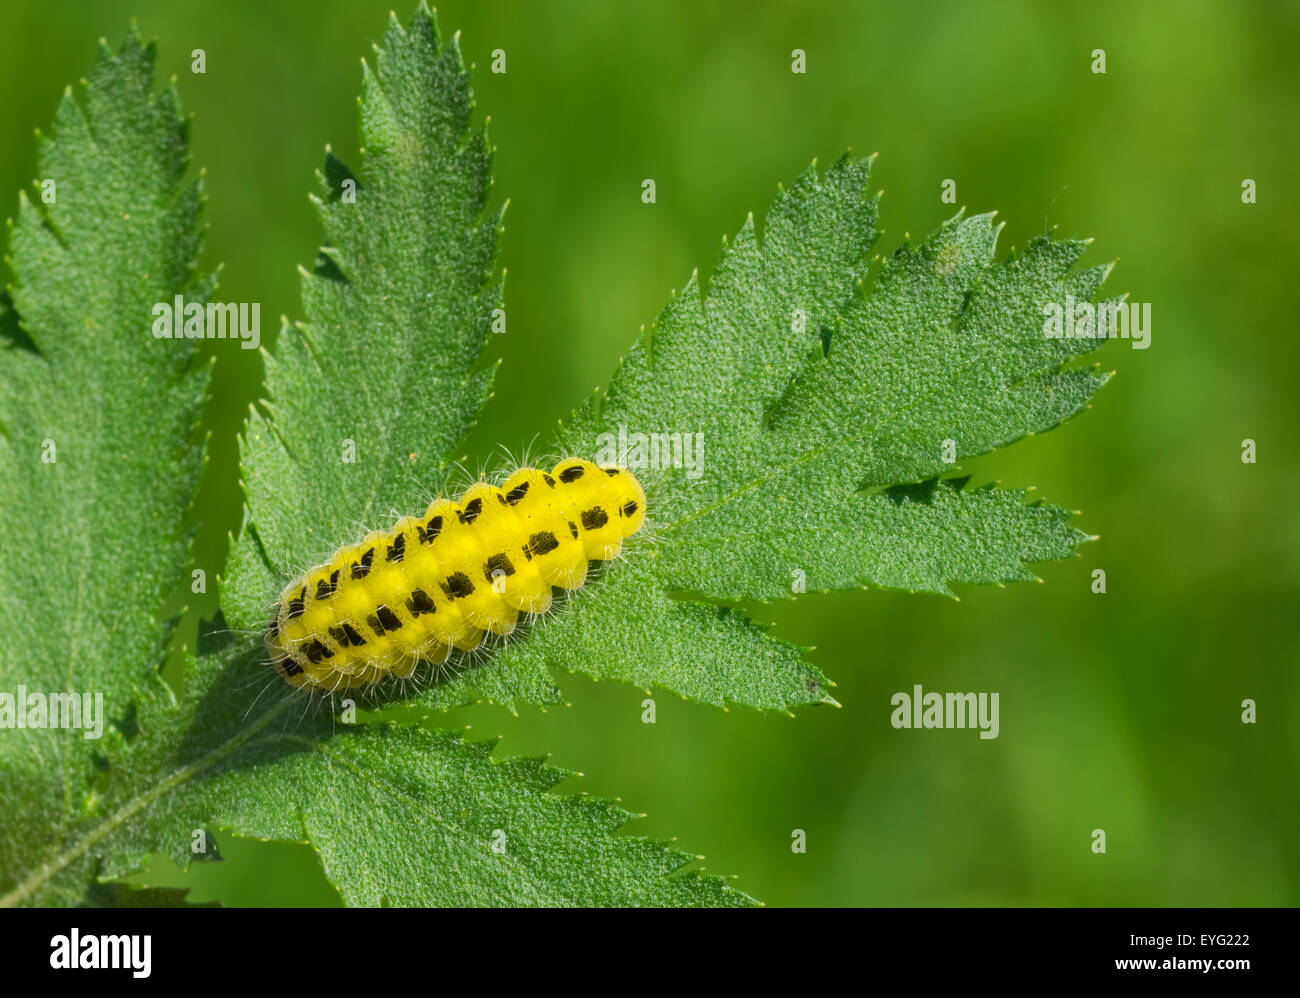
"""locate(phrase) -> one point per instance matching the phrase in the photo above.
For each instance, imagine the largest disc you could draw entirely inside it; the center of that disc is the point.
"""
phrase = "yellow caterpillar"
(443, 580)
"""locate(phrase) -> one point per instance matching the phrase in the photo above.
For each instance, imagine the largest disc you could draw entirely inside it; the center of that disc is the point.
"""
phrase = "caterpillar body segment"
(444, 580)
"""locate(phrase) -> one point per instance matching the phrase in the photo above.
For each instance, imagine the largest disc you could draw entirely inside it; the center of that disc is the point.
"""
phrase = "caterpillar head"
(607, 504)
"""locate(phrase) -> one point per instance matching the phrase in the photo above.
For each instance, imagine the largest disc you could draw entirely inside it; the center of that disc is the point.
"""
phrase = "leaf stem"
(133, 807)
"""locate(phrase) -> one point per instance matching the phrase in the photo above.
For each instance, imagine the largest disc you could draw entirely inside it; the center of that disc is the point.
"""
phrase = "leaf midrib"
(134, 806)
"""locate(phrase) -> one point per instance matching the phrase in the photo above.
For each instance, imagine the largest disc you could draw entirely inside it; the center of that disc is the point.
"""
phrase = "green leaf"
(368, 397)
(398, 815)
(98, 455)
(99, 416)
(824, 410)
(948, 347)
(402, 815)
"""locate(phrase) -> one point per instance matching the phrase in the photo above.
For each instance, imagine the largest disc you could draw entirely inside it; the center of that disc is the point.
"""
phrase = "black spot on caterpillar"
(497, 563)
(429, 531)
(472, 511)
(397, 549)
(360, 569)
(457, 586)
(516, 495)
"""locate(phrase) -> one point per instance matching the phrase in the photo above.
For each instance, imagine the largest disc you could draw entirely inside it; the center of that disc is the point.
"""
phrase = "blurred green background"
(1119, 711)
